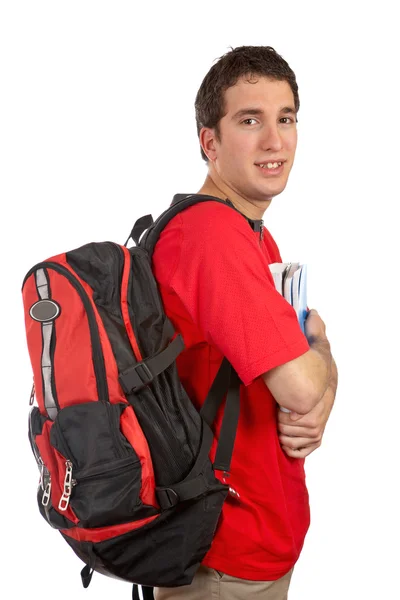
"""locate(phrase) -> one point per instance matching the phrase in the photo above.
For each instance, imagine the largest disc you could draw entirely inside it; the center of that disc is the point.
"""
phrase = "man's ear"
(207, 141)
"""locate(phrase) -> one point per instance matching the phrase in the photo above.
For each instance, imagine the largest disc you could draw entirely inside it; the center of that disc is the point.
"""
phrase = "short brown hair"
(242, 61)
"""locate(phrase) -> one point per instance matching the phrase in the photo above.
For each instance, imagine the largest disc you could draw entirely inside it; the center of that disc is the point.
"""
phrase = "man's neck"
(214, 186)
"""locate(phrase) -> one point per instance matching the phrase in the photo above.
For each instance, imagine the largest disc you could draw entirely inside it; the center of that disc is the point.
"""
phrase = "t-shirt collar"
(255, 224)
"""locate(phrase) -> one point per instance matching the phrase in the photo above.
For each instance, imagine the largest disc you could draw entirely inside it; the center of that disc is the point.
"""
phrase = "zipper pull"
(32, 397)
(261, 231)
(45, 482)
(46, 494)
(41, 467)
(64, 500)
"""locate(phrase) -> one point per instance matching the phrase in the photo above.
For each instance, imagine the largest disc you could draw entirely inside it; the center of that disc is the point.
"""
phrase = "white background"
(97, 129)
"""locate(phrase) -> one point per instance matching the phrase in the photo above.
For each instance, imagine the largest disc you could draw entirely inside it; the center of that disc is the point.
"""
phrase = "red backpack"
(123, 454)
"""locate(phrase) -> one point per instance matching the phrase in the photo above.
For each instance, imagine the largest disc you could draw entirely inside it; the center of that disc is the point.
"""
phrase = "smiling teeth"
(271, 165)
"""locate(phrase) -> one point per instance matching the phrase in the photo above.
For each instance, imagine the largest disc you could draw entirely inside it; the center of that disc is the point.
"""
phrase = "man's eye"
(290, 120)
(247, 120)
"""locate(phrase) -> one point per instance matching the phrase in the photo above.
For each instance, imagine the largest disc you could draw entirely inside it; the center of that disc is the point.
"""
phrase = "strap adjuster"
(136, 378)
(167, 498)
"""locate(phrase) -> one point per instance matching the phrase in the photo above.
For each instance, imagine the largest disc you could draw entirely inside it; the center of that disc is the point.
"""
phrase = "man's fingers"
(296, 442)
(312, 433)
(293, 416)
(311, 419)
(301, 452)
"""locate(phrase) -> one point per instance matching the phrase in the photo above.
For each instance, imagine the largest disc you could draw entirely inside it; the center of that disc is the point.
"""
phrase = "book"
(287, 282)
(278, 274)
(291, 282)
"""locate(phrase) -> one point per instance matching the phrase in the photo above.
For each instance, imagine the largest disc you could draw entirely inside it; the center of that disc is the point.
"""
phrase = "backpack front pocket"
(107, 494)
(51, 468)
(102, 475)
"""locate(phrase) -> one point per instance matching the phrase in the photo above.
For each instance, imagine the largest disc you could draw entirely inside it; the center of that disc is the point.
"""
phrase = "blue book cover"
(302, 308)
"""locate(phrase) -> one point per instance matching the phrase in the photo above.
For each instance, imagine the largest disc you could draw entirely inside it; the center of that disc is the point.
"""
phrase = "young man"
(211, 263)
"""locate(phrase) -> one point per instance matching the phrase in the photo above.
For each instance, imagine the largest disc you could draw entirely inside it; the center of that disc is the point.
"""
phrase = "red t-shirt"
(217, 289)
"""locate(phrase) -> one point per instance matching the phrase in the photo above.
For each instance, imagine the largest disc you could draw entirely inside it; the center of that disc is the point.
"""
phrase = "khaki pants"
(209, 584)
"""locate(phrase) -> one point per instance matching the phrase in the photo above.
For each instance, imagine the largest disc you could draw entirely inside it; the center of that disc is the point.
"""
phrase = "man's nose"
(271, 139)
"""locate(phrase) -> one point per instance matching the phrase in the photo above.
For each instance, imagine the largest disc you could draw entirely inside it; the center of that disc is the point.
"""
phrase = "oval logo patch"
(44, 310)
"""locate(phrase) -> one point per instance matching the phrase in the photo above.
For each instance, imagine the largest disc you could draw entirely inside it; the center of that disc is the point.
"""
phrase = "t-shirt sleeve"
(223, 279)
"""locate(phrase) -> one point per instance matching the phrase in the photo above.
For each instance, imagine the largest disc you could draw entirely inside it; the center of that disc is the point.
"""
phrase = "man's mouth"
(271, 168)
(270, 165)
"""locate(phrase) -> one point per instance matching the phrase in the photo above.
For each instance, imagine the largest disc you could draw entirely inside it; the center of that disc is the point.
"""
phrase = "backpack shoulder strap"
(153, 229)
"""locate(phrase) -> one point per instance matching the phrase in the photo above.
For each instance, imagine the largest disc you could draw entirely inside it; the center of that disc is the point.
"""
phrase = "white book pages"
(287, 283)
(277, 267)
(295, 289)
(290, 280)
(277, 270)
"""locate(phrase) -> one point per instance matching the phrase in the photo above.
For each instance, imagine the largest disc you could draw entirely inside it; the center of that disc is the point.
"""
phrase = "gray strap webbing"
(47, 334)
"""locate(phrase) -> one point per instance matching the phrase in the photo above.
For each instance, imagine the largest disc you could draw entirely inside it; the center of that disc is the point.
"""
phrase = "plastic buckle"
(136, 378)
(145, 376)
(167, 498)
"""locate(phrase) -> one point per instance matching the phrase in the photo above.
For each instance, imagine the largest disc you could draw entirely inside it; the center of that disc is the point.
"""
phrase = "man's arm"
(333, 382)
(300, 384)
(304, 435)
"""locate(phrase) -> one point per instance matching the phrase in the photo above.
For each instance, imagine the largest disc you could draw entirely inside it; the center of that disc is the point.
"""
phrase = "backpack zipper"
(67, 490)
(45, 483)
(45, 477)
(44, 488)
(97, 352)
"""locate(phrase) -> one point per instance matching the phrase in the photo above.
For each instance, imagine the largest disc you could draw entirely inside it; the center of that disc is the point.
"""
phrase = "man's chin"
(263, 197)
(272, 192)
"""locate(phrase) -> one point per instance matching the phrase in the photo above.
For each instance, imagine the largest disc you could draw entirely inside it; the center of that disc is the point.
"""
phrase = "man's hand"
(302, 434)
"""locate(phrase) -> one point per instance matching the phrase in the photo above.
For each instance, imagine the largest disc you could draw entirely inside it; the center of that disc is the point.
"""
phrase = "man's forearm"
(322, 348)
(301, 436)
(333, 380)
(330, 394)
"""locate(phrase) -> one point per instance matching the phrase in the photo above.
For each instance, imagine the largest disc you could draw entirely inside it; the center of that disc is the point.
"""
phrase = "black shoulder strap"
(153, 229)
(255, 224)
(226, 381)
(180, 202)
(178, 197)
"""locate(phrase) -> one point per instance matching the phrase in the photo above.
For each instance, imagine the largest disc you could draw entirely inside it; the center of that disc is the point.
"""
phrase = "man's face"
(257, 128)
